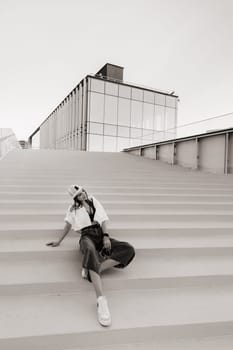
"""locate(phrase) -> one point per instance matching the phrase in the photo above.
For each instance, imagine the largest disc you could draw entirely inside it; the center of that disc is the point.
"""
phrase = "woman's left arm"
(103, 218)
(105, 227)
(106, 239)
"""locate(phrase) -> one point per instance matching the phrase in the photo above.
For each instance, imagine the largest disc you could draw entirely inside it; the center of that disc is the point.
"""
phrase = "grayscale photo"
(116, 175)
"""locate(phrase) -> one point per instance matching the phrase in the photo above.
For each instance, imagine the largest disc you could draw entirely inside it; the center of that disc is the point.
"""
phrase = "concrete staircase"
(178, 292)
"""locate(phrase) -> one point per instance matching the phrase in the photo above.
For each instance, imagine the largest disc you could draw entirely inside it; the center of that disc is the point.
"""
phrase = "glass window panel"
(159, 117)
(148, 116)
(170, 121)
(171, 101)
(145, 142)
(156, 136)
(111, 89)
(124, 112)
(137, 94)
(160, 99)
(123, 131)
(110, 110)
(95, 143)
(124, 91)
(147, 134)
(96, 107)
(135, 142)
(110, 130)
(136, 114)
(122, 143)
(97, 85)
(96, 128)
(161, 136)
(110, 144)
(149, 96)
(135, 133)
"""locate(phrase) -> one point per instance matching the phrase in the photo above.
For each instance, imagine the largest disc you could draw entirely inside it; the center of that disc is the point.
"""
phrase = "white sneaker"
(84, 273)
(104, 316)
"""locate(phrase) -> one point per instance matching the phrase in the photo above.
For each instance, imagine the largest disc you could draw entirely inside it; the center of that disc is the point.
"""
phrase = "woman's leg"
(92, 263)
(91, 260)
(104, 316)
(97, 283)
(122, 252)
(107, 264)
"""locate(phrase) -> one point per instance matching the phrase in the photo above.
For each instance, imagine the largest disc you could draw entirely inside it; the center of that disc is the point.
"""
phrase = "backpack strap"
(93, 209)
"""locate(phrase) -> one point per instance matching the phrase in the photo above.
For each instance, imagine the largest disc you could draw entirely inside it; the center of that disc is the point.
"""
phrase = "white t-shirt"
(79, 218)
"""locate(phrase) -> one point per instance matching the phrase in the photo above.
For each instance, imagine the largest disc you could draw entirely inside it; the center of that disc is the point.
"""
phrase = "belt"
(95, 225)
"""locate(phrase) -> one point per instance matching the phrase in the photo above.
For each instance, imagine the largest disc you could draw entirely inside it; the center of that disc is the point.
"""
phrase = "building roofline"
(112, 80)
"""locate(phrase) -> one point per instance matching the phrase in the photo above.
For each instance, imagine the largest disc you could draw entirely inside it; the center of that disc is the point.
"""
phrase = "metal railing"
(206, 125)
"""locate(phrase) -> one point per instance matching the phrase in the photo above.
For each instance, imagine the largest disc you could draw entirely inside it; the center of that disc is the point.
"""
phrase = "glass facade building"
(103, 113)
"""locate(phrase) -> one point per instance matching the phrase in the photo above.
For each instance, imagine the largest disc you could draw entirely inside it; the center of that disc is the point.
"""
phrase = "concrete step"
(164, 197)
(126, 225)
(61, 206)
(48, 267)
(58, 210)
(125, 217)
(162, 343)
(132, 188)
(116, 189)
(224, 342)
(161, 338)
(114, 170)
(109, 182)
(69, 320)
(34, 240)
(152, 237)
(112, 174)
(60, 179)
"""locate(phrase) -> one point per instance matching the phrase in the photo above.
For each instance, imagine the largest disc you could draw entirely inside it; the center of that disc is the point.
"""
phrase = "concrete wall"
(136, 152)
(230, 153)
(8, 141)
(149, 152)
(165, 153)
(212, 152)
(186, 152)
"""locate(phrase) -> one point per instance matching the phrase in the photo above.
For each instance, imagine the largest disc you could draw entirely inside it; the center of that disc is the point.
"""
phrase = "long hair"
(77, 203)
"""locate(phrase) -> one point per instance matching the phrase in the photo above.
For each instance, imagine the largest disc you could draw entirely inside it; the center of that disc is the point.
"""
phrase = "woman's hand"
(107, 244)
(66, 230)
(53, 244)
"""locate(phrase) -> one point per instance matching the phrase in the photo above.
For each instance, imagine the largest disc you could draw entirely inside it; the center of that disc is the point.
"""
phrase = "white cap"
(74, 190)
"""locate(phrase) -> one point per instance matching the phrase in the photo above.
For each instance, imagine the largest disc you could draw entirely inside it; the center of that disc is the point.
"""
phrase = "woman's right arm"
(66, 230)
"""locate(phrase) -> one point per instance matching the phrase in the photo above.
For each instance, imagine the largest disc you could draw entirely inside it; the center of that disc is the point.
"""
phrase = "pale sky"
(48, 46)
